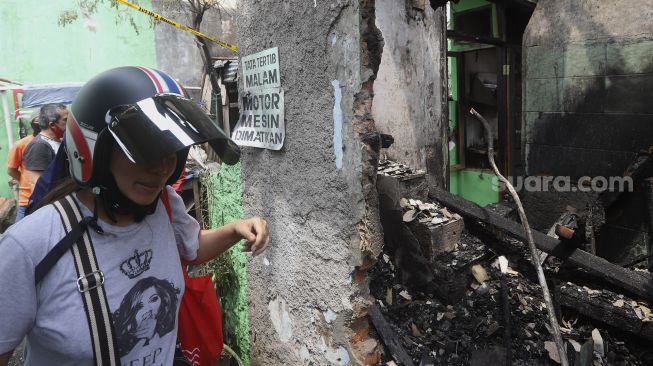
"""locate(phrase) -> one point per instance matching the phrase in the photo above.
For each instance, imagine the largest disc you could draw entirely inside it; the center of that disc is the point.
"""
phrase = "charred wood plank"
(602, 308)
(389, 336)
(630, 281)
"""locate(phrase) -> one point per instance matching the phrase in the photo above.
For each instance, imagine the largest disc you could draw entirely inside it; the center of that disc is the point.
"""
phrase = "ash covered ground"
(463, 320)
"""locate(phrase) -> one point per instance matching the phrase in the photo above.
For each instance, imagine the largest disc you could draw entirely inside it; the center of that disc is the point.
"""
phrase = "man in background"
(40, 152)
(16, 167)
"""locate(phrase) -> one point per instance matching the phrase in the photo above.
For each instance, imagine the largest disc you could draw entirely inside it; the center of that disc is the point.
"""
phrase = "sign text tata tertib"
(261, 123)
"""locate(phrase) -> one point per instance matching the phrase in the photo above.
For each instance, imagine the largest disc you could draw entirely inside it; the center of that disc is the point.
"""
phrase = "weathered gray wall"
(176, 50)
(304, 298)
(588, 74)
(587, 67)
(409, 93)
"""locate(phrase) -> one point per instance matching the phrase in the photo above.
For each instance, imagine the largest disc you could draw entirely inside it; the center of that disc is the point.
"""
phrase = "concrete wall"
(307, 293)
(410, 96)
(176, 50)
(588, 73)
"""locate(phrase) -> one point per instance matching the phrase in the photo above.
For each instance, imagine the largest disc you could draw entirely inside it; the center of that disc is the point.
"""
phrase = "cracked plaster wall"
(318, 191)
(410, 91)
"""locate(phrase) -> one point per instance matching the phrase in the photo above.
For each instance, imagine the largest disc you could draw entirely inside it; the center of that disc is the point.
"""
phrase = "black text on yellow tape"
(156, 16)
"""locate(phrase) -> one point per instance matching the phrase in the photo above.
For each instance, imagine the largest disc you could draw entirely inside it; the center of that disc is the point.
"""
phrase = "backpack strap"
(90, 281)
(53, 256)
(46, 264)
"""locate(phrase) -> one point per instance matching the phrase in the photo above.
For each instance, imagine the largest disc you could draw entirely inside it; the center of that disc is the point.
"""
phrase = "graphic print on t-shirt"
(147, 313)
(137, 264)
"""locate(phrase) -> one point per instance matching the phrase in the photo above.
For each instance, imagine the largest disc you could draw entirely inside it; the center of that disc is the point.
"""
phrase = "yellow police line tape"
(156, 16)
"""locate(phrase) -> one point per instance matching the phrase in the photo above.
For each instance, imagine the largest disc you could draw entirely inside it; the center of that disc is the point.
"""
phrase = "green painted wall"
(469, 184)
(38, 50)
(225, 205)
(35, 49)
(5, 191)
(453, 107)
(475, 186)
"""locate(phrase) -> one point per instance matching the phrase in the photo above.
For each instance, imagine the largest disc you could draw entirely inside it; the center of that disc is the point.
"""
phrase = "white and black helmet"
(147, 114)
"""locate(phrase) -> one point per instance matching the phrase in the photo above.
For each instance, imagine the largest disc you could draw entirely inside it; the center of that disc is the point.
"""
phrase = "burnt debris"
(455, 286)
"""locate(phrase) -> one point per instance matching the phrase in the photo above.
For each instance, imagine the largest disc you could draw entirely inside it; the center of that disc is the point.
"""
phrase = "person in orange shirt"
(20, 176)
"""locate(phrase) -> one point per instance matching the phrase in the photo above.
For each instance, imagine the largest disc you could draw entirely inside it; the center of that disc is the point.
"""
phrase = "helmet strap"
(96, 203)
(115, 202)
(106, 189)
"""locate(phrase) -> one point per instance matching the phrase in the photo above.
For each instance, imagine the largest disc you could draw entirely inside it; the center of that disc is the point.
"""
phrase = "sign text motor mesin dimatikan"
(267, 102)
(261, 123)
(261, 119)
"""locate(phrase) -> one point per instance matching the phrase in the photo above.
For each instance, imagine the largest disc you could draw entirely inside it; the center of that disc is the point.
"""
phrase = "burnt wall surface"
(304, 299)
(409, 92)
(588, 71)
(588, 74)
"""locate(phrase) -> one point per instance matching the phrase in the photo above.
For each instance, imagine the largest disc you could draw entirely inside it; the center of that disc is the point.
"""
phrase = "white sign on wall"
(261, 123)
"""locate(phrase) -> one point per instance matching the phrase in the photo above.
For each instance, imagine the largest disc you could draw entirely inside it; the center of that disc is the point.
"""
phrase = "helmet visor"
(160, 126)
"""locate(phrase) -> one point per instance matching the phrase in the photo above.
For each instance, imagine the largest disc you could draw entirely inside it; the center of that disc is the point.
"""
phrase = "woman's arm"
(214, 242)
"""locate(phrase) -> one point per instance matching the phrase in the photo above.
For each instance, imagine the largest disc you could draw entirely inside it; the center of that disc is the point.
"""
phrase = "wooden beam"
(467, 37)
(603, 309)
(389, 336)
(633, 282)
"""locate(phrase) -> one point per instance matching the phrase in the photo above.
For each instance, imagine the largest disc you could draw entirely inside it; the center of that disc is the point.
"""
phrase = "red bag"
(200, 321)
(200, 318)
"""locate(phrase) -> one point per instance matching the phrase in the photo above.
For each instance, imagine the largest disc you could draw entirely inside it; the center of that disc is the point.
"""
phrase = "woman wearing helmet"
(127, 138)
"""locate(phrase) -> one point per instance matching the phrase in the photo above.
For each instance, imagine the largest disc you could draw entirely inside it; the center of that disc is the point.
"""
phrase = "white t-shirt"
(143, 282)
(53, 143)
